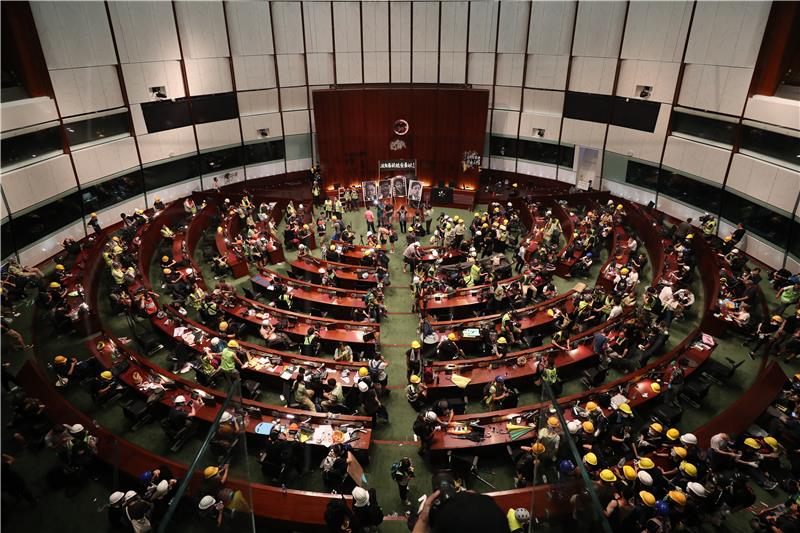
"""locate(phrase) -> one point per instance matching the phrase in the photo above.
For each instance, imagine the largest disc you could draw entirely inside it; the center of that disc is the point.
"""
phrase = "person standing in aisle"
(402, 473)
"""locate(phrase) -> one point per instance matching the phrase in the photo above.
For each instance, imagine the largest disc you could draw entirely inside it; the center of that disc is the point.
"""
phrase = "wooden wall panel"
(354, 127)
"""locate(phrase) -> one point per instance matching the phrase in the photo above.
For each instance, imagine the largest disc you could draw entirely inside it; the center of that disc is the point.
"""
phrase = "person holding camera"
(402, 473)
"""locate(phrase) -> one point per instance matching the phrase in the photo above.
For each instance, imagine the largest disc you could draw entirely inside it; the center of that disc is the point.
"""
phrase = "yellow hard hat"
(673, 434)
(223, 326)
(305, 226)
(625, 408)
(502, 340)
(690, 236)
(655, 387)
(59, 267)
(115, 238)
(590, 458)
(233, 344)
(689, 469)
(54, 285)
(106, 375)
(451, 336)
(60, 359)
(751, 442)
(680, 451)
(551, 312)
(414, 379)
(629, 472)
(515, 185)
(415, 344)
(588, 427)
(363, 371)
(655, 426)
(92, 215)
(210, 472)
(332, 247)
(485, 225)
(645, 463)
(157, 198)
(165, 258)
(647, 498)
(772, 442)
(117, 250)
(607, 476)
(334, 218)
(624, 271)
(777, 318)
(591, 406)
(167, 271)
(677, 496)
(619, 207)
(553, 422)
(477, 214)
(538, 448)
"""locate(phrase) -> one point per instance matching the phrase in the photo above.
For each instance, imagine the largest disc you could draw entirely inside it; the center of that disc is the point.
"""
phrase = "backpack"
(397, 471)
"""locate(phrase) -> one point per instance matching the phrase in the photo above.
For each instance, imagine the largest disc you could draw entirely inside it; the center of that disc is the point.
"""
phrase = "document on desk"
(179, 331)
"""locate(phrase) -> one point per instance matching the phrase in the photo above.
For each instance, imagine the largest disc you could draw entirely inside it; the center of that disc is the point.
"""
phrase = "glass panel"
(49, 218)
(767, 224)
(212, 162)
(214, 107)
(6, 239)
(111, 192)
(794, 242)
(27, 147)
(705, 128)
(502, 146)
(642, 174)
(567, 156)
(97, 128)
(166, 115)
(224, 450)
(298, 146)
(263, 152)
(689, 190)
(541, 152)
(171, 172)
(771, 144)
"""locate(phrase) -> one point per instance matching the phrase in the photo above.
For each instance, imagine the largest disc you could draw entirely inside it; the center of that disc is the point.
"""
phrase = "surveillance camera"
(264, 132)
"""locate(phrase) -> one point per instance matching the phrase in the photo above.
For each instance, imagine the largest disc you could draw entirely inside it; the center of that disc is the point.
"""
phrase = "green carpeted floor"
(390, 441)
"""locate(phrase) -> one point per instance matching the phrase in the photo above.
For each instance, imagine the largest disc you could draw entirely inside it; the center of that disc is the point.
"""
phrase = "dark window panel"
(214, 107)
(264, 152)
(29, 146)
(589, 107)
(113, 191)
(635, 114)
(763, 222)
(566, 156)
(219, 160)
(689, 190)
(642, 175)
(166, 115)
(97, 128)
(704, 127)
(771, 144)
(502, 146)
(171, 172)
(794, 240)
(47, 219)
(6, 239)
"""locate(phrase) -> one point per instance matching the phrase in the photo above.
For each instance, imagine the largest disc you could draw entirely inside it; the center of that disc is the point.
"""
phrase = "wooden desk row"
(288, 505)
(347, 276)
(142, 374)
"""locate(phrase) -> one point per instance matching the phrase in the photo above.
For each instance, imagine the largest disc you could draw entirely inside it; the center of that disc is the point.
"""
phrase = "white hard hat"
(115, 497)
(645, 478)
(360, 497)
(76, 428)
(522, 515)
(225, 417)
(207, 502)
(131, 494)
(162, 487)
(179, 399)
(688, 438)
(430, 416)
(362, 386)
(697, 489)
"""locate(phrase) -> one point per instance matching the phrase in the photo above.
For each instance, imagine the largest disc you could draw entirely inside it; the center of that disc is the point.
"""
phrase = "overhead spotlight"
(645, 91)
(264, 132)
(540, 132)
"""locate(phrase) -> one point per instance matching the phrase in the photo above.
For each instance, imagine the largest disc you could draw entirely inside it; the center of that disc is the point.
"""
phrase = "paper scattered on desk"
(179, 331)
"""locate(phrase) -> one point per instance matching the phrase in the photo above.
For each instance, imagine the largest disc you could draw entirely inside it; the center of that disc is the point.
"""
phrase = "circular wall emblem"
(400, 126)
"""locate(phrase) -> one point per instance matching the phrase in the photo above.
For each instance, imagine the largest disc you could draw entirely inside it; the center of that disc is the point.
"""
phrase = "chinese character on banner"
(471, 160)
(397, 144)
